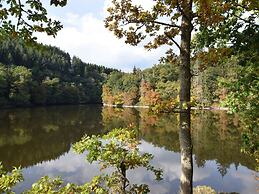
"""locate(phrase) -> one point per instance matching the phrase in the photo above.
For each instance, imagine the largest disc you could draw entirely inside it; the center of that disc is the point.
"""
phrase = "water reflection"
(30, 136)
(186, 152)
(215, 137)
(39, 140)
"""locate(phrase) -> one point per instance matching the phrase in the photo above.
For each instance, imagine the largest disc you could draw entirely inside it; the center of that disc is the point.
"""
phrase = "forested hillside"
(36, 74)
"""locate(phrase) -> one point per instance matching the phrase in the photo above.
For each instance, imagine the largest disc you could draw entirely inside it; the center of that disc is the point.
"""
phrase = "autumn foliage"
(156, 88)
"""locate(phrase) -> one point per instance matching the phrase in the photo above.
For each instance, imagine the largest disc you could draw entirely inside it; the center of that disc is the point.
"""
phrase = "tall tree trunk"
(185, 96)
(186, 153)
(185, 72)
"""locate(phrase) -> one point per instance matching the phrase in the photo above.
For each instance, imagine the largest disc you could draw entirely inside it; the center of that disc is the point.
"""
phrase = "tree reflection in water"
(186, 153)
(29, 136)
(215, 137)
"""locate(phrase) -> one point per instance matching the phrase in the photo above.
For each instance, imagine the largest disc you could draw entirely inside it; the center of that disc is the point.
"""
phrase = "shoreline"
(125, 106)
(146, 107)
(110, 105)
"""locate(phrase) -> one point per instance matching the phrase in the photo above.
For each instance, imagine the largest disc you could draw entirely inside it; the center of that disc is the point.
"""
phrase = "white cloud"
(86, 37)
(146, 4)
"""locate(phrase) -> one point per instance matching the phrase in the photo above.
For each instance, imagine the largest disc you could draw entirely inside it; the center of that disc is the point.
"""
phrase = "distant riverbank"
(125, 106)
(111, 105)
(146, 107)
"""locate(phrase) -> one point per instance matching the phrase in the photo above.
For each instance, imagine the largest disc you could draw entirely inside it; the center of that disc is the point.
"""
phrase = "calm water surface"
(39, 140)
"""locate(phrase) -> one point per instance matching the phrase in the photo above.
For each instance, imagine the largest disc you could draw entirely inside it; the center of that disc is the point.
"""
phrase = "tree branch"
(245, 7)
(181, 10)
(151, 21)
(139, 27)
(165, 24)
(20, 14)
(247, 21)
(173, 41)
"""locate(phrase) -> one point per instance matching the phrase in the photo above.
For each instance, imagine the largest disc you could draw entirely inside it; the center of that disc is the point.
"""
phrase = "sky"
(84, 35)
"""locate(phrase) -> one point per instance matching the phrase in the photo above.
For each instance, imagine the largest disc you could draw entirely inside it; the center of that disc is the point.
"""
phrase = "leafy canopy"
(22, 19)
(161, 24)
(118, 149)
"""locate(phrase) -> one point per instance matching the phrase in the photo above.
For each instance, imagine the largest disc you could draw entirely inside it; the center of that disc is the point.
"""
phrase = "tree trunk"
(185, 72)
(185, 96)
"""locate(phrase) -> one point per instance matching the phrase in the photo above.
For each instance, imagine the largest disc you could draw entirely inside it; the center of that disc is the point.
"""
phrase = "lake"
(39, 140)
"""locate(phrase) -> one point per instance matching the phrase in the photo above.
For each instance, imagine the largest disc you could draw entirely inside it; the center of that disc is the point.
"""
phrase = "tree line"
(36, 74)
(156, 86)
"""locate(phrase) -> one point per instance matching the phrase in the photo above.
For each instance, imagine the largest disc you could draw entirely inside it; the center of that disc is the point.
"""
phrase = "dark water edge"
(7, 107)
(39, 140)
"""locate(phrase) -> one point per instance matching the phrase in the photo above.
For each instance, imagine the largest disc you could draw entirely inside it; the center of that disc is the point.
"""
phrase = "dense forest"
(36, 74)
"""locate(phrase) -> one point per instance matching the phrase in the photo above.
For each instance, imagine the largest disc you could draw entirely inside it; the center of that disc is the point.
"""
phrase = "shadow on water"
(43, 136)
